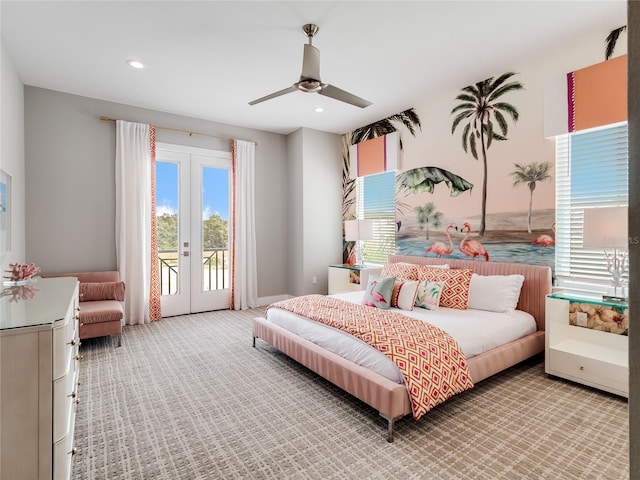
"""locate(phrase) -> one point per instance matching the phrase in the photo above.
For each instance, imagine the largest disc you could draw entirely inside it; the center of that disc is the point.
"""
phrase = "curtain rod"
(190, 133)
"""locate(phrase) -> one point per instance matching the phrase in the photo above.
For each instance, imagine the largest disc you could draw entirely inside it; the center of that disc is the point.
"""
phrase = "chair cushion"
(90, 291)
(100, 311)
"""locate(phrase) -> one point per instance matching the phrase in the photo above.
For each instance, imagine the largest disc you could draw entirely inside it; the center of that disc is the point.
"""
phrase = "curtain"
(591, 97)
(244, 277)
(133, 217)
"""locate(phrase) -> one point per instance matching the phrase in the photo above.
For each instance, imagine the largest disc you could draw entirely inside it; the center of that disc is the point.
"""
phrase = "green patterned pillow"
(429, 294)
(378, 292)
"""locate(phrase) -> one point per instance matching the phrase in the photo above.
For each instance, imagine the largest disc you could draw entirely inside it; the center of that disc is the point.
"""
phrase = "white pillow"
(404, 294)
(495, 293)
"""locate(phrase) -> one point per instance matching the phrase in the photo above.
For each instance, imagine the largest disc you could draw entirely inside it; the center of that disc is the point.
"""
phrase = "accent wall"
(446, 209)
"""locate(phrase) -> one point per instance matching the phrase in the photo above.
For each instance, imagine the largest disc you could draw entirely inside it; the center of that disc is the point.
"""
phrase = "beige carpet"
(189, 398)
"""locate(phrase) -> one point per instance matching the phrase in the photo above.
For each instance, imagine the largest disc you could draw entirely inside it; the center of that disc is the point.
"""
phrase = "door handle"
(186, 254)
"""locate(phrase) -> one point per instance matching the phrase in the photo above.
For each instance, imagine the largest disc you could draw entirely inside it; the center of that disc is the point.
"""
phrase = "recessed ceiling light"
(137, 64)
(319, 109)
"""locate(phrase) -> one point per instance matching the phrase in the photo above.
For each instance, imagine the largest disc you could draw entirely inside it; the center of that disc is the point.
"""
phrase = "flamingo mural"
(546, 240)
(440, 248)
(472, 248)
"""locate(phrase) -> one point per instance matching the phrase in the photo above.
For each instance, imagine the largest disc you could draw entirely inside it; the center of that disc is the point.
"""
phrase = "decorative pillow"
(404, 294)
(378, 292)
(455, 293)
(91, 291)
(428, 295)
(403, 271)
(495, 293)
(423, 269)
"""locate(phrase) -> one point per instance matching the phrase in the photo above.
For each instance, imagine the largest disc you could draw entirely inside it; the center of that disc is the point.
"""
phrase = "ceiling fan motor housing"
(310, 78)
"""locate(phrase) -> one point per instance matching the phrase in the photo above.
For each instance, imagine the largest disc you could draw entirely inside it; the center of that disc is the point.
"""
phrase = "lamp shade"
(358, 230)
(605, 227)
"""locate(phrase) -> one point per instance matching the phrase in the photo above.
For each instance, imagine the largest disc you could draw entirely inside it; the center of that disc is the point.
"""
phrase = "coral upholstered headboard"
(537, 279)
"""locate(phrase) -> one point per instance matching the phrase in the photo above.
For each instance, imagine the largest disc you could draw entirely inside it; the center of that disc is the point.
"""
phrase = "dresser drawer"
(64, 395)
(65, 338)
(63, 452)
(593, 372)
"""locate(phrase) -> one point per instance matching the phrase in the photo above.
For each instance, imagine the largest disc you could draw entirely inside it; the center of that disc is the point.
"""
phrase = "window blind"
(376, 200)
(591, 171)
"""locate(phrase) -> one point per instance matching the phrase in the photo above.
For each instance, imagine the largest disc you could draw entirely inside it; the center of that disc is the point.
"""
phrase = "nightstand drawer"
(593, 372)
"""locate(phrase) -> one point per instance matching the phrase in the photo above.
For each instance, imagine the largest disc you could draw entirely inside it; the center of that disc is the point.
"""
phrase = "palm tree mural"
(427, 215)
(408, 118)
(530, 175)
(611, 40)
(424, 179)
(417, 180)
(484, 115)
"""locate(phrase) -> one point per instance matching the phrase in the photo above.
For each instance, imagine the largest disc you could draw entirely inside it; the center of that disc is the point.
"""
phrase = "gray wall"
(322, 221)
(12, 153)
(70, 206)
(295, 213)
(633, 39)
(315, 180)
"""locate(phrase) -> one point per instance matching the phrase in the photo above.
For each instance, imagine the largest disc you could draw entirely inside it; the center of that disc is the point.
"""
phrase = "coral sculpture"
(21, 271)
(23, 292)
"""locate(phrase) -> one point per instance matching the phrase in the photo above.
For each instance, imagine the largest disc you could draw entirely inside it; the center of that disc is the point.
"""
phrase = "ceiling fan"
(310, 78)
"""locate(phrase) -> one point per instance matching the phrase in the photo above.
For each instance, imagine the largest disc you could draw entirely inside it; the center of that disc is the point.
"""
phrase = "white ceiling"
(208, 59)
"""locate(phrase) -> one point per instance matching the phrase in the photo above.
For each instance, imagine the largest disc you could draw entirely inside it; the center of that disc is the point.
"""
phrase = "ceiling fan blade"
(343, 96)
(292, 88)
(310, 63)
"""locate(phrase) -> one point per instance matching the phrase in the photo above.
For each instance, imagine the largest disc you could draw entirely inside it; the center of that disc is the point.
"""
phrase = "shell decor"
(21, 271)
(601, 317)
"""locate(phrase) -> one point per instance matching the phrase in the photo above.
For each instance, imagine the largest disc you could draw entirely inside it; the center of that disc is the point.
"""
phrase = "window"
(376, 200)
(591, 171)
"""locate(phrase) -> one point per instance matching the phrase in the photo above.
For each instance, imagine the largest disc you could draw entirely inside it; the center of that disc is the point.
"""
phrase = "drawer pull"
(77, 317)
(581, 368)
(72, 395)
(76, 401)
(74, 342)
(79, 357)
(73, 451)
(78, 382)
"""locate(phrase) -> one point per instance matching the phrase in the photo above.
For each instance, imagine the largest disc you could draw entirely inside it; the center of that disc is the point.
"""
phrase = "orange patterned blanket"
(431, 362)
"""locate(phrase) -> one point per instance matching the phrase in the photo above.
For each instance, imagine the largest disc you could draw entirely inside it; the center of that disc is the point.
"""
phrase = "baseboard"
(275, 298)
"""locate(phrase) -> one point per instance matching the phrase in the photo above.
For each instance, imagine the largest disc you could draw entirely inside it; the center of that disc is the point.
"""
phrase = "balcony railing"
(215, 270)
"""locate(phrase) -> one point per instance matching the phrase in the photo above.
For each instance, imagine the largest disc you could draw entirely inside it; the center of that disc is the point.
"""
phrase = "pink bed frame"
(391, 399)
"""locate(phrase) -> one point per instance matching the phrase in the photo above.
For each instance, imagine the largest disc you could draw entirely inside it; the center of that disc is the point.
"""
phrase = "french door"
(193, 187)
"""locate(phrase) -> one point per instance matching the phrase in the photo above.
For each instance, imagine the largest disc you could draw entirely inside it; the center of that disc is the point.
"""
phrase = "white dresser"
(583, 354)
(39, 366)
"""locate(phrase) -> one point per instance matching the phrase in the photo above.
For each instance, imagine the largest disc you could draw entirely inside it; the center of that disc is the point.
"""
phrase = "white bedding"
(476, 331)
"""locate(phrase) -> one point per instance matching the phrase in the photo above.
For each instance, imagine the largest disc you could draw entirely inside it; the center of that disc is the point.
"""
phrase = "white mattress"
(476, 331)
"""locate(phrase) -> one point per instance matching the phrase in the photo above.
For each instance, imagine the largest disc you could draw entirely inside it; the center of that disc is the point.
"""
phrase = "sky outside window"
(215, 190)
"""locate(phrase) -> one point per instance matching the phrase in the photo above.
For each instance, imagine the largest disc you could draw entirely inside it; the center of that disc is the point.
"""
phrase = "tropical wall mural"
(464, 188)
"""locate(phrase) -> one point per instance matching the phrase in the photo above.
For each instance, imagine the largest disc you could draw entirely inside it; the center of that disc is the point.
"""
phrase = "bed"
(390, 397)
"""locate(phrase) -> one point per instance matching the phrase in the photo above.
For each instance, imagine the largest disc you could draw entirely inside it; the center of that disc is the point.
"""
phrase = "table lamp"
(358, 231)
(607, 228)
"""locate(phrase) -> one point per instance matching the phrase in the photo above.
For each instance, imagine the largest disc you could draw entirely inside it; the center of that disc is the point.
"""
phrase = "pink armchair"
(101, 303)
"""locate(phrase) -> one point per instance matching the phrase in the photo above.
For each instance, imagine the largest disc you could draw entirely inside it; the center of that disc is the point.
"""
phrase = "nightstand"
(578, 345)
(349, 278)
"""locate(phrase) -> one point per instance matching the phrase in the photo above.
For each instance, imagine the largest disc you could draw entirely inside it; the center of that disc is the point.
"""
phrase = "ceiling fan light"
(137, 64)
